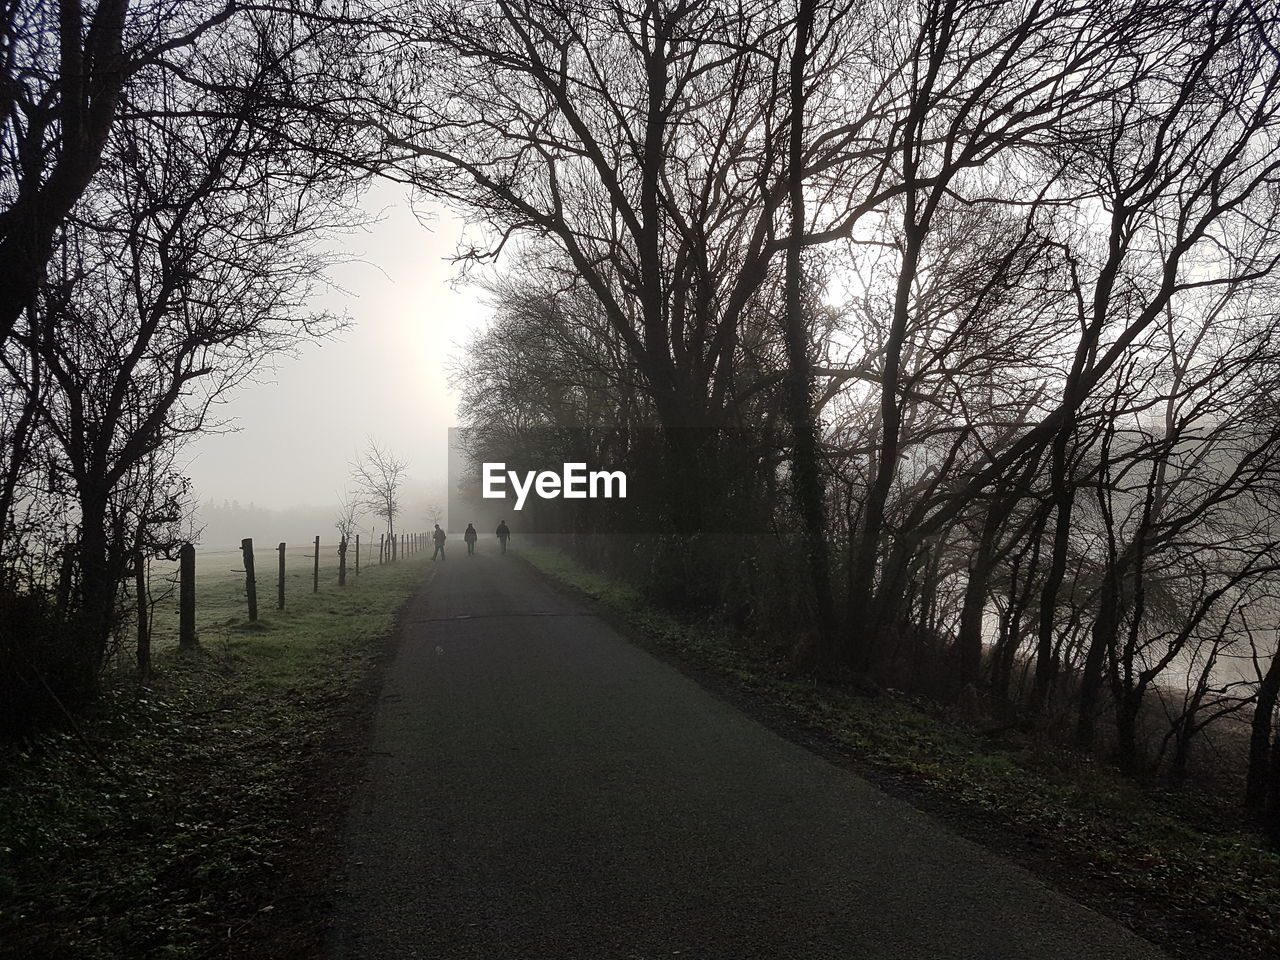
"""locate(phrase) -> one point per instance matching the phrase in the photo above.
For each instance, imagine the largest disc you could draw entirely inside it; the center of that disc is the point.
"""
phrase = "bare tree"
(347, 522)
(593, 144)
(378, 476)
(185, 263)
(435, 513)
(67, 72)
(979, 283)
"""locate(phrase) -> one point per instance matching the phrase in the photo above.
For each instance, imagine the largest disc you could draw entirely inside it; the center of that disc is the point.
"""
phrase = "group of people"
(469, 536)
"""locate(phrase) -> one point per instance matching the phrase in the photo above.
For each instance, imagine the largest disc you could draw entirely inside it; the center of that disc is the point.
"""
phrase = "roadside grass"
(164, 824)
(1180, 867)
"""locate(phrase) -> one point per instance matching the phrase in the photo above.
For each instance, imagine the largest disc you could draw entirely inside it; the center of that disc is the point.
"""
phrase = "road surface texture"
(538, 787)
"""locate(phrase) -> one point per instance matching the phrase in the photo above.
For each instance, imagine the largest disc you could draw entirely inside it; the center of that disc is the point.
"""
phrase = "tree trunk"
(142, 599)
(1002, 679)
(1064, 500)
(91, 77)
(1271, 822)
(969, 642)
(884, 611)
(1127, 711)
(1101, 640)
(95, 602)
(806, 479)
(18, 448)
(1255, 794)
(1006, 655)
(863, 632)
(187, 597)
(1186, 729)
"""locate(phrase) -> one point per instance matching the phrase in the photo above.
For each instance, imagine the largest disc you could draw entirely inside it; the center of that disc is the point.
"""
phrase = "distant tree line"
(941, 332)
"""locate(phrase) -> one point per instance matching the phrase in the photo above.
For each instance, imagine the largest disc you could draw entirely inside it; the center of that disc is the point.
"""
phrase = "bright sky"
(306, 420)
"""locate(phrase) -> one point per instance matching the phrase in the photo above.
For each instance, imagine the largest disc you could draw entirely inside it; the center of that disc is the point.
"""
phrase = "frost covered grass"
(165, 823)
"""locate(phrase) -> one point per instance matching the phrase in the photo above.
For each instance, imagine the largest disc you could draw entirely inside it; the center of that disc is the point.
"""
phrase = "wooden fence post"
(382, 547)
(142, 599)
(250, 580)
(342, 562)
(315, 570)
(357, 554)
(280, 579)
(187, 596)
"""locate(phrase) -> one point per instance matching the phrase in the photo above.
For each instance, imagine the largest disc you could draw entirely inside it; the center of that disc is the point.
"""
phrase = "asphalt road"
(538, 787)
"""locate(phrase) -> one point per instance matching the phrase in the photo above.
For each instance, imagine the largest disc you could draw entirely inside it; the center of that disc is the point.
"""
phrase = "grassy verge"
(188, 817)
(1181, 869)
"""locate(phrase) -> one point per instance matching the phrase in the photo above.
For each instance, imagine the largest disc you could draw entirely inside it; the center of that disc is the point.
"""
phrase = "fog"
(294, 431)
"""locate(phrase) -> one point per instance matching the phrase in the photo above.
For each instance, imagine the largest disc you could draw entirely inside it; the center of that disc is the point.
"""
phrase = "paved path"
(540, 788)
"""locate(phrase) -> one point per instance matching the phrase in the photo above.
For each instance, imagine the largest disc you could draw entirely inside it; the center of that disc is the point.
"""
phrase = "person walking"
(439, 538)
(504, 534)
(470, 536)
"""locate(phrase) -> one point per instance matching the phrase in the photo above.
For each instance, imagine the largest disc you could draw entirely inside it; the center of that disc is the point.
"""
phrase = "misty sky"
(385, 376)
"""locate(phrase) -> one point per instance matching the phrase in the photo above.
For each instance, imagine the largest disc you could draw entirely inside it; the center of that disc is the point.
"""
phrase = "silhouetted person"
(439, 538)
(504, 534)
(470, 536)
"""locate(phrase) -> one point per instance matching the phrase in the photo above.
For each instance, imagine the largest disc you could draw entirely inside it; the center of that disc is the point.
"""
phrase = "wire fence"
(212, 586)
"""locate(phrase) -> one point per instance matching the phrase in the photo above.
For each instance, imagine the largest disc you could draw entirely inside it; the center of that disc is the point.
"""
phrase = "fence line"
(409, 543)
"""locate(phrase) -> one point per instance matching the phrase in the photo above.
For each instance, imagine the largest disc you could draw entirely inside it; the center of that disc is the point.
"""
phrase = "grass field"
(167, 824)
(220, 586)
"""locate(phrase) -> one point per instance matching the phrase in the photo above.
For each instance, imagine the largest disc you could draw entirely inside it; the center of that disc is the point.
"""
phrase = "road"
(538, 787)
